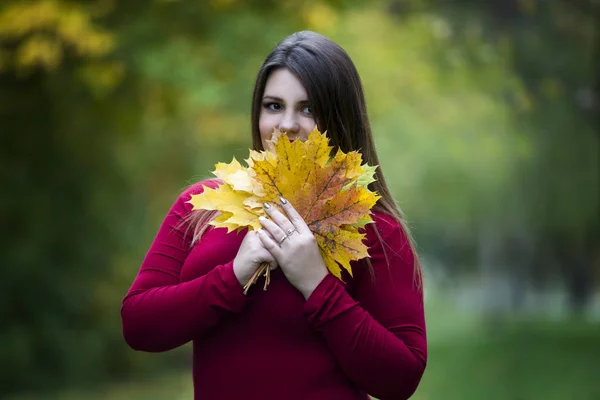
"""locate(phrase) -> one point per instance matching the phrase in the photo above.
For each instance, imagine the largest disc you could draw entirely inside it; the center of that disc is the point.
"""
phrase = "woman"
(310, 335)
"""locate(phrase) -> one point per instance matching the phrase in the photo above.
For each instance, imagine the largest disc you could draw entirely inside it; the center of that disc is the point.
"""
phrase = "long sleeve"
(379, 339)
(159, 311)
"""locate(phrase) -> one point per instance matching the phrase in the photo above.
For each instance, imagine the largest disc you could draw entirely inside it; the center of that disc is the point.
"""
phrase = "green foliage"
(441, 122)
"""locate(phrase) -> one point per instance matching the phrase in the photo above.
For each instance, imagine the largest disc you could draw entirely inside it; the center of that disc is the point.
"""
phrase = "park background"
(484, 117)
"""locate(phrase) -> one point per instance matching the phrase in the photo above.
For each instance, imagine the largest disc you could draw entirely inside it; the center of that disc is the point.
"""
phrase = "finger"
(264, 230)
(295, 218)
(266, 256)
(278, 217)
(276, 233)
(269, 243)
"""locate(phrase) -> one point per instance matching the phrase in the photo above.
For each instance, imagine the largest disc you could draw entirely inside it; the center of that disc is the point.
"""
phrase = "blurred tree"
(553, 199)
(553, 51)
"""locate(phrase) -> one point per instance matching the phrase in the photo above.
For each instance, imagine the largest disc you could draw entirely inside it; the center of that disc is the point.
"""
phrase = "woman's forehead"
(283, 84)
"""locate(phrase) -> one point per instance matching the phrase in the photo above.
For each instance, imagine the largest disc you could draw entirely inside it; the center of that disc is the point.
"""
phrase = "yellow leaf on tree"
(330, 192)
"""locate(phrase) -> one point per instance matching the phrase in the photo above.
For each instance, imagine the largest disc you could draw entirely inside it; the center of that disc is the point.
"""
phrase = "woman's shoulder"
(384, 225)
(389, 247)
(197, 188)
(388, 233)
(182, 202)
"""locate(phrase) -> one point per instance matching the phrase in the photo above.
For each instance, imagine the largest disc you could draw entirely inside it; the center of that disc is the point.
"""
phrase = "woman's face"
(285, 106)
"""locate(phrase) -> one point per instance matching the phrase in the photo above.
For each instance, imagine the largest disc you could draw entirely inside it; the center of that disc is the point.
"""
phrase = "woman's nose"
(289, 124)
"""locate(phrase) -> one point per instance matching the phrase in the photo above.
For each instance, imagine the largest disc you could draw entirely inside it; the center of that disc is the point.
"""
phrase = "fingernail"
(283, 201)
(267, 205)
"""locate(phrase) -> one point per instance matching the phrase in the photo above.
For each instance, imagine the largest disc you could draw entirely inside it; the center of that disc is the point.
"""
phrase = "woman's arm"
(379, 340)
(161, 313)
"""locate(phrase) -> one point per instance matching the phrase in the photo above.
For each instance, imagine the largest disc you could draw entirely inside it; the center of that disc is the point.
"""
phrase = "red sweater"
(346, 340)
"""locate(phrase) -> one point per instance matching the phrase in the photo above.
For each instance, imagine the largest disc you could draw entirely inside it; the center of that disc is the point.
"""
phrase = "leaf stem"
(267, 277)
(263, 269)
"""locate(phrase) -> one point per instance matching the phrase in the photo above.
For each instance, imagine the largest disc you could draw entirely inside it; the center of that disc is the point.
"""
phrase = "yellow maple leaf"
(238, 177)
(234, 213)
(330, 192)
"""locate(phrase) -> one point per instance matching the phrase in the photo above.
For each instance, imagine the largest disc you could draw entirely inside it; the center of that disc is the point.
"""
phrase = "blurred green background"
(483, 113)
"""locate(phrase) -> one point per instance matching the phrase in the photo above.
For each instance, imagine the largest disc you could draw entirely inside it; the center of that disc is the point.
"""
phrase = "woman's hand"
(294, 246)
(250, 255)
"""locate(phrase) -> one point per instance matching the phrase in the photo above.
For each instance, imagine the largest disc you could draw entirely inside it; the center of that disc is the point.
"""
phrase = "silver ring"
(282, 239)
(290, 232)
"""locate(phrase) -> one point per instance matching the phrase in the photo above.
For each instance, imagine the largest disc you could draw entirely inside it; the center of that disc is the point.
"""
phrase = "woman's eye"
(307, 110)
(272, 106)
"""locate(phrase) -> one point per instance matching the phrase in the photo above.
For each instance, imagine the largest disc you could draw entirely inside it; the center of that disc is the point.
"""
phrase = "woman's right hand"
(251, 254)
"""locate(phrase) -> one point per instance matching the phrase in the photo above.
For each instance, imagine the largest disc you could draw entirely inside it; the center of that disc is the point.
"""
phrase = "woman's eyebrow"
(280, 100)
(274, 98)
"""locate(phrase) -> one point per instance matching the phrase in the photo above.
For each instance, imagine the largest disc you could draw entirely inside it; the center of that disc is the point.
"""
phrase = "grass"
(528, 363)
(170, 386)
(513, 359)
(468, 360)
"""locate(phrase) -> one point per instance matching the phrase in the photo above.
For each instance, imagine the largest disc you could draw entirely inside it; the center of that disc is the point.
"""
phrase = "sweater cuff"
(229, 288)
(325, 301)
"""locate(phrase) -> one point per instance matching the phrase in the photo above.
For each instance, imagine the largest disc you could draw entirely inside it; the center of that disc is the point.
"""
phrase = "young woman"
(310, 335)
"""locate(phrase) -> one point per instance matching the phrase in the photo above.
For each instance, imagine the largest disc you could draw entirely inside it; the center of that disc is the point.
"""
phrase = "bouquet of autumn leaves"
(330, 192)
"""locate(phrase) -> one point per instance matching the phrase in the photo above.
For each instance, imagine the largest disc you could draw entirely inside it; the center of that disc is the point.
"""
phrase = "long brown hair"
(337, 101)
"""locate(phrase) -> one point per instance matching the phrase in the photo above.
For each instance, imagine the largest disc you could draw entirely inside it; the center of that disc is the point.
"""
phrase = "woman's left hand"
(294, 246)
